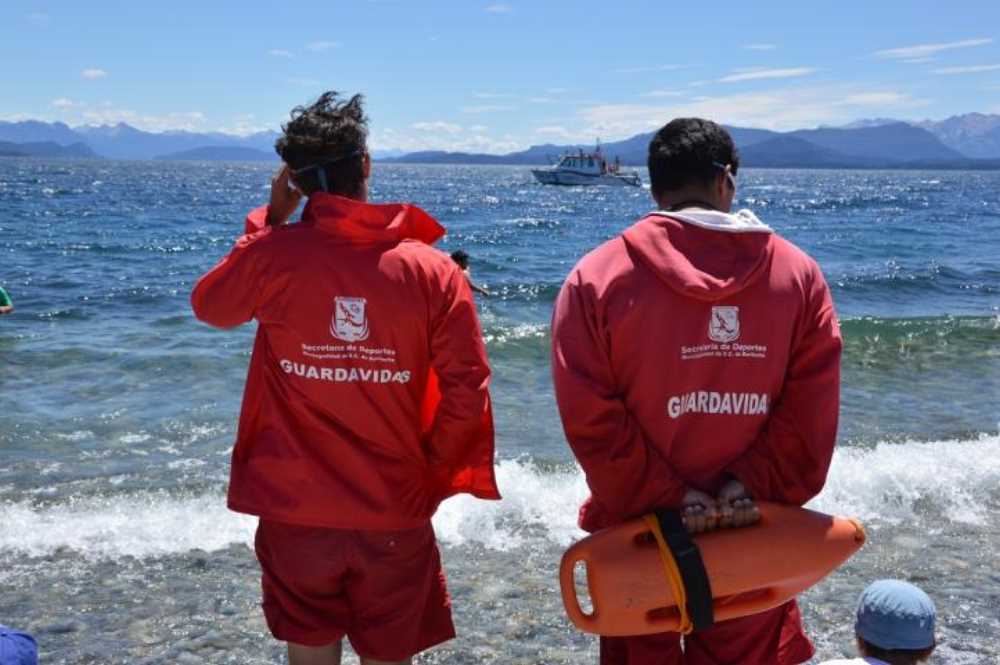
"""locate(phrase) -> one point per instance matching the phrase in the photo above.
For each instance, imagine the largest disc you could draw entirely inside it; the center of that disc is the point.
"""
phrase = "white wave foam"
(918, 482)
(897, 482)
(535, 505)
(515, 333)
(143, 525)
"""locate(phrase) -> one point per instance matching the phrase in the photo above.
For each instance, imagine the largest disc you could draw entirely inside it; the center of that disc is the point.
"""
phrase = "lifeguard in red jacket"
(696, 360)
(366, 401)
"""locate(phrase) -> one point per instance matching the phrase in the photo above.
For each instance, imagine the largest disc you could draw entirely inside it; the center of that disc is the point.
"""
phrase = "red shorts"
(774, 637)
(385, 590)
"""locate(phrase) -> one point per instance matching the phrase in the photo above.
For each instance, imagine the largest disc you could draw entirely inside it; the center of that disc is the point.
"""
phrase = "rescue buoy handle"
(567, 583)
(685, 570)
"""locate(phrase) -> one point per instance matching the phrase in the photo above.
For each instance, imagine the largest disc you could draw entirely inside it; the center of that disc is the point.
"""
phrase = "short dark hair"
(687, 151)
(330, 135)
(894, 655)
(461, 258)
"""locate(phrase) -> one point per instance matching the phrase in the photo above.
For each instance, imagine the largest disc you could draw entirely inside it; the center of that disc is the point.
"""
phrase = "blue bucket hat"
(17, 648)
(893, 614)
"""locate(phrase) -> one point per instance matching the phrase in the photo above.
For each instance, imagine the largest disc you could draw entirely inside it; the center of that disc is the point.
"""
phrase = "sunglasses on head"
(730, 172)
(320, 167)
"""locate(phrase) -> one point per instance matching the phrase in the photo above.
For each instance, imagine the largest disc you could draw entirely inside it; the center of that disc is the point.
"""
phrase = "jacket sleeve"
(463, 420)
(625, 473)
(789, 460)
(228, 294)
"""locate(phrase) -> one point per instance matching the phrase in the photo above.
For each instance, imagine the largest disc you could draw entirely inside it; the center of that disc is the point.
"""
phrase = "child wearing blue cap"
(894, 626)
(17, 648)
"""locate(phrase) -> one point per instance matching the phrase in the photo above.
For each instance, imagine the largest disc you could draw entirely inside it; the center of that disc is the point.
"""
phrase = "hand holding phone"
(285, 197)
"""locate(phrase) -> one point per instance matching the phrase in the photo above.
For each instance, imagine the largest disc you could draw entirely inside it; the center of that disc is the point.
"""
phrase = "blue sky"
(498, 76)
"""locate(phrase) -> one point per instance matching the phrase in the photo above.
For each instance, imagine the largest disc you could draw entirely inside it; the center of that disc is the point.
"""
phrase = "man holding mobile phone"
(366, 401)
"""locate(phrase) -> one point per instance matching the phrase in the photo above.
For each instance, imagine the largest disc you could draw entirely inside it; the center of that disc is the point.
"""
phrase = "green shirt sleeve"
(4, 298)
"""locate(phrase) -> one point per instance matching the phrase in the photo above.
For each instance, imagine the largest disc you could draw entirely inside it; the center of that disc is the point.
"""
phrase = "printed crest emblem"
(724, 326)
(350, 321)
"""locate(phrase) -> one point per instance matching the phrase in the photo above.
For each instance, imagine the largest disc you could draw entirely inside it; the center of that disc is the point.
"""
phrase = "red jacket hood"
(703, 254)
(360, 222)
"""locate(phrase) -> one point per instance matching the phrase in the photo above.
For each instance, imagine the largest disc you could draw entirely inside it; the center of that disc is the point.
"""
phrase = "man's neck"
(690, 198)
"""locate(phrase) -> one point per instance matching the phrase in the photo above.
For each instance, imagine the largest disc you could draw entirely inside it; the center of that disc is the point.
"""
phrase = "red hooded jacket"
(696, 347)
(366, 401)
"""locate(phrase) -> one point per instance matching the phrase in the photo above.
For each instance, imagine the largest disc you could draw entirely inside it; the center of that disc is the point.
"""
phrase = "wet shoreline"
(203, 607)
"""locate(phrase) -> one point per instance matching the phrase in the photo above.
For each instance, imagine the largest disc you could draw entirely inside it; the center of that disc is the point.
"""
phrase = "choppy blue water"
(118, 408)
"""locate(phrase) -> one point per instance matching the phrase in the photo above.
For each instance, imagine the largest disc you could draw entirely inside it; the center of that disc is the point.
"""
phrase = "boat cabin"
(592, 163)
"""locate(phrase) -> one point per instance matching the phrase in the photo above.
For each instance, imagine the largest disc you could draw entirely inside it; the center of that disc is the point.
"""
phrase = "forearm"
(463, 415)
(624, 471)
(789, 459)
(461, 374)
(227, 295)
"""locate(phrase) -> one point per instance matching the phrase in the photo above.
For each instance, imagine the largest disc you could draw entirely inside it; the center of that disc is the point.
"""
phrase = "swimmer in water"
(462, 259)
(6, 305)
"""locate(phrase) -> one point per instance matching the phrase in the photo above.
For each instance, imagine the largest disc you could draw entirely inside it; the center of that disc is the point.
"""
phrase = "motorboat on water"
(593, 168)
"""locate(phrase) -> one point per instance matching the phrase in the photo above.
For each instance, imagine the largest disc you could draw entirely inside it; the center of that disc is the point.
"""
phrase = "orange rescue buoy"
(750, 569)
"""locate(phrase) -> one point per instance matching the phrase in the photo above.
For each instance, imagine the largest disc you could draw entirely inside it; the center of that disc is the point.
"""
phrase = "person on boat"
(461, 259)
(6, 304)
(696, 365)
(366, 401)
(894, 625)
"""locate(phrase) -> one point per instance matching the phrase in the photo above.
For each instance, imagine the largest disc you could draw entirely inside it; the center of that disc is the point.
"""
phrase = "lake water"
(119, 409)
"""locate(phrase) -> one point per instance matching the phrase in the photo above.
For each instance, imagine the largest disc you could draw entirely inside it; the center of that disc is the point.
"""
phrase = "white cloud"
(487, 108)
(662, 93)
(560, 132)
(437, 126)
(757, 74)
(498, 8)
(760, 47)
(876, 99)
(918, 61)
(93, 74)
(478, 129)
(408, 141)
(969, 69)
(541, 100)
(317, 47)
(191, 121)
(653, 68)
(281, 53)
(246, 124)
(924, 50)
(76, 113)
(64, 103)
(790, 108)
(556, 91)
(182, 120)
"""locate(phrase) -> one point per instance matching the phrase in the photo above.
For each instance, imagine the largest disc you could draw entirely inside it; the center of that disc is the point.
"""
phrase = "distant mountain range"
(966, 141)
(45, 149)
(221, 153)
(962, 142)
(122, 141)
